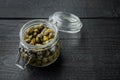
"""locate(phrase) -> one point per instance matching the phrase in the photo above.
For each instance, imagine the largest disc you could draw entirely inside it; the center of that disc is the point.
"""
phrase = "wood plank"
(44, 8)
(92, 54)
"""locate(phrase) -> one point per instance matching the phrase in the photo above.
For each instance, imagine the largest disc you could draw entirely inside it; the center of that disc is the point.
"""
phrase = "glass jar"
(44, 55)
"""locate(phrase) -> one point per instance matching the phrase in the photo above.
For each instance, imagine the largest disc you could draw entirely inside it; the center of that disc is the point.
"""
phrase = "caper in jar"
(30, 30)
(36, 30)
(24, 55)
(39, 35)
(44, 60)
(32, 41)
(47, 53)
(50, 58)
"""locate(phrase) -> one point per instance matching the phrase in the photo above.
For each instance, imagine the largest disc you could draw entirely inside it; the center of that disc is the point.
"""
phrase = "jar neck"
(34, 47)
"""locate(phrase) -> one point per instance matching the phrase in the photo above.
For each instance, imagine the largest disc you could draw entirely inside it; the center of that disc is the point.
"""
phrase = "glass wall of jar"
(34, 55)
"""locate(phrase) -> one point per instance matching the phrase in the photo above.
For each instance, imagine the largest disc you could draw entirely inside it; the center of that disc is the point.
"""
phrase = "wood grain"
(92, 54)
(44, 8)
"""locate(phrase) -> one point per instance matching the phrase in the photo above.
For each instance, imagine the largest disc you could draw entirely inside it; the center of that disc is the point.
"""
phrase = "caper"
(37, 39)
(44, 42)
(32, 60)
(33, 55)
(30, 37)
(38, 62)
(32, 41)
(39, 35)
(45, 38)
(44, 60)
(24, 55)
(35, 34)
(26, 36)
(39, 53)
(36, 30)
(40, 26)
(39, 57)
(51, 35)
(30, 30)
(49, 30)
(45, 33)
(55, 55)
(50, 58)
(27, 40)
(42, 32)
(47, 53)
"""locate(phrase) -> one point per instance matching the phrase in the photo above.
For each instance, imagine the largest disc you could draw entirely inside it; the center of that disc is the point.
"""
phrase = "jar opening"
(65, 16)
(36, 22)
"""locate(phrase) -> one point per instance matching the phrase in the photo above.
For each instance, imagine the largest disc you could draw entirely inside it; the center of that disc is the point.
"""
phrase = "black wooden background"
(91, 54)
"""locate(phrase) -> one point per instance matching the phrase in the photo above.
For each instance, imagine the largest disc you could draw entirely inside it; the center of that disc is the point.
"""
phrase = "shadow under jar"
(44, 55)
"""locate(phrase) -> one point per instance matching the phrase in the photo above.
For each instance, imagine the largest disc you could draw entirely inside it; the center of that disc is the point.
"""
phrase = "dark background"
(91, 54)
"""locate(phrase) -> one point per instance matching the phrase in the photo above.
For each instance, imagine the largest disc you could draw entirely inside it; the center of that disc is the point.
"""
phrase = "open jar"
(44, 55)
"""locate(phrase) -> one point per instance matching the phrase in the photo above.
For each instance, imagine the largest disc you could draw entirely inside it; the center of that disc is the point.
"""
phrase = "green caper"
(32, 60)
(30, 30)
(49, 30)
(37, 39)
(45, 38)
(32, 41)
(44, 60)
(55, 55)
(35, 34)
(26, 36)
(39, 35)
(50, 35)
(47, 53)
(42, 32)
(39, 57)
(44, 42)
(41, 26)
(27, 40)
(24, 55)
(30, 37)
(46, 32)
(39, 53)
(36, 30)
(38, 62)
(50, 58)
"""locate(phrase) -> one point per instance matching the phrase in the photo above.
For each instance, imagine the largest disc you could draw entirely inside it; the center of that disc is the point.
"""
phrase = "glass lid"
(66, 22)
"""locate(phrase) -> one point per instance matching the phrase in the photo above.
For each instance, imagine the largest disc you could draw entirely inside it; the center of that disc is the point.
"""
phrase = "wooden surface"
(44, 8)
(91, 54)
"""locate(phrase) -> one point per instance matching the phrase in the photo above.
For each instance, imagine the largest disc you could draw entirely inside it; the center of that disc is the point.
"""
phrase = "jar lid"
(66, 22)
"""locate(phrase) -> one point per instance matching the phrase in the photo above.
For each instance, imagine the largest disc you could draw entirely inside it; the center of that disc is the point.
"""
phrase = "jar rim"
(59, 13)
(33, 22)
